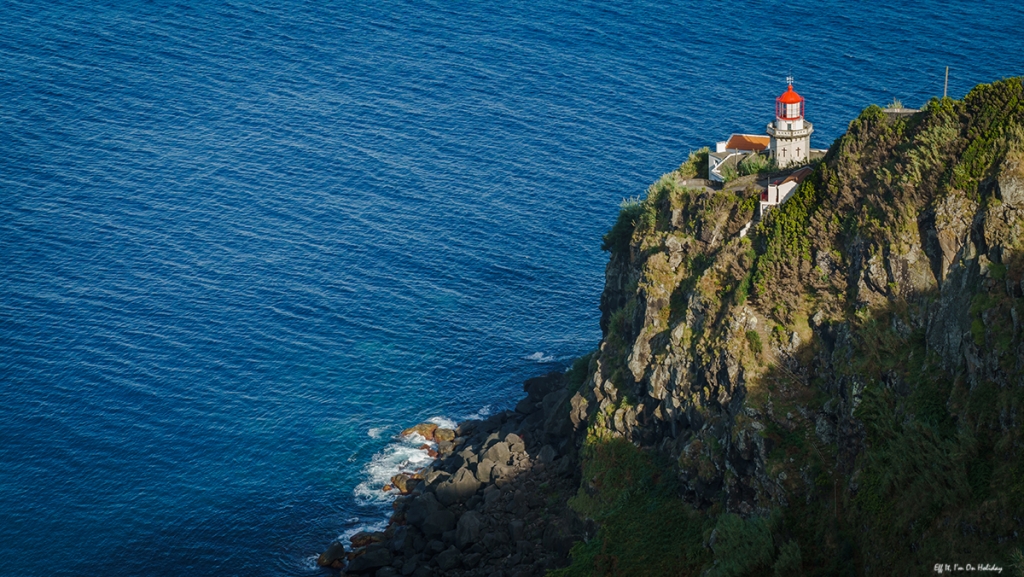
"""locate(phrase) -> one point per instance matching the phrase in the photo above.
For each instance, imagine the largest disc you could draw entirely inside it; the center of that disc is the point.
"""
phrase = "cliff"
(837, 392)
(840, 391)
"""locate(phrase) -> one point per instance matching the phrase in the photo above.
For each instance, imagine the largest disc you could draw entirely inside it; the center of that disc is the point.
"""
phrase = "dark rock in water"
(438, 522)
(425, 430)
(526, 406)
(374, 558)
(444, 435)
(364, 538)
(469, 528)
(333, 556)
(448, 559)
(459, 488)
(403, 482)
(537, 387)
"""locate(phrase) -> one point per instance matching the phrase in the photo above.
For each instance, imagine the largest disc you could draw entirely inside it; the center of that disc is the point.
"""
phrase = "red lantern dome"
(789, 106)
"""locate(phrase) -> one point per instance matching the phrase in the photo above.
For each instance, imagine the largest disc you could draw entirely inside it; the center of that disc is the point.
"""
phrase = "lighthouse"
(790, 133)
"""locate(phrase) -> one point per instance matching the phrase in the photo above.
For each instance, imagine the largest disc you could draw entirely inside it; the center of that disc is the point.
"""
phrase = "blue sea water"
(243, 244)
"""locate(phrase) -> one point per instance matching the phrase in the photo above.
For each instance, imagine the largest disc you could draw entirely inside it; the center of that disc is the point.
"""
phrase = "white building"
(779, 191)
(790, 133)
(731, 152)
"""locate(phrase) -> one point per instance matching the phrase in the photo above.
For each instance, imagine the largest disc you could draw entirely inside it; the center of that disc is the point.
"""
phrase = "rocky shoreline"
(493, 503)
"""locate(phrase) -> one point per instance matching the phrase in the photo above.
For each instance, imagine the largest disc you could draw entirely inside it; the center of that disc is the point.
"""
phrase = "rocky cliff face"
(854, 365)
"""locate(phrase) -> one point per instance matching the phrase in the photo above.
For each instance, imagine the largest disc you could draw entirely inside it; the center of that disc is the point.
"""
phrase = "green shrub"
(754, 339)
(696, 165)
(646, 530)
(741, 546)
(789, 560)
(577, 374)
(755, 164)
(729, 173)
(743, 290)
(621, 234)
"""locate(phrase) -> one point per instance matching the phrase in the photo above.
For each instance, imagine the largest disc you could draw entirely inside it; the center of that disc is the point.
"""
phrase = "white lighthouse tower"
(790, 133)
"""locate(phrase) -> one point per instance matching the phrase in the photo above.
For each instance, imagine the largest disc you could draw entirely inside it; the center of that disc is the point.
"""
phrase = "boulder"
(448, 559)
(555, 423)
(425, 430)
(420, 508)
(364, 538)
(483, 470)
(444, 435)
(459, 488)
(526, 406)
(517, 529)
(403, 482)
(374, 558)
(547, 454)
(410, 565)
(435, 478)
(469, 529)
(537, 387)
(438, 522)
(333, 556)
(502, 475)
(515, 443)
(499, 453)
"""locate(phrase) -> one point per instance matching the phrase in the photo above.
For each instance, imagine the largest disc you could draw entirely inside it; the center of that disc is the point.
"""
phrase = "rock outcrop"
(872, 319)
(494, 503)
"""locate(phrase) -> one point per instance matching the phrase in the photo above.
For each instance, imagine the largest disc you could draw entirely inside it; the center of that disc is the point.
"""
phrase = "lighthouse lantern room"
(790, 133)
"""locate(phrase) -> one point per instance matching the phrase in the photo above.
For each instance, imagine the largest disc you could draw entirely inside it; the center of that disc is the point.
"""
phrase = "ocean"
(242, 245)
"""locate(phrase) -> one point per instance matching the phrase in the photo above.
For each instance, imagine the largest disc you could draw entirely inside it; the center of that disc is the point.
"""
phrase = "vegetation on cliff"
(838, 392)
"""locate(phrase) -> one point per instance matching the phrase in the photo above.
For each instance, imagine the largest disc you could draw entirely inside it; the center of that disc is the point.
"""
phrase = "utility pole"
(946, 85)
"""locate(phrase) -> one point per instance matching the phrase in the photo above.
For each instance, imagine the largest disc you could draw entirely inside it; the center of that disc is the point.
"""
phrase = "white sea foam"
(309, 562)
(363, 525)
(443, 422)
(376, 432)
(539, 357)
(401, 455)
(480, 415)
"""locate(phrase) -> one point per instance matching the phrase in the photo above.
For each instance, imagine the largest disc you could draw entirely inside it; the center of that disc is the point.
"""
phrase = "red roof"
(747, 142)
(790, 96)
(799, 175)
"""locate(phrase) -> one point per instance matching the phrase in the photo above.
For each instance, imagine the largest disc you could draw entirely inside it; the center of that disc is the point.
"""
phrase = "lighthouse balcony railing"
(779, 133)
